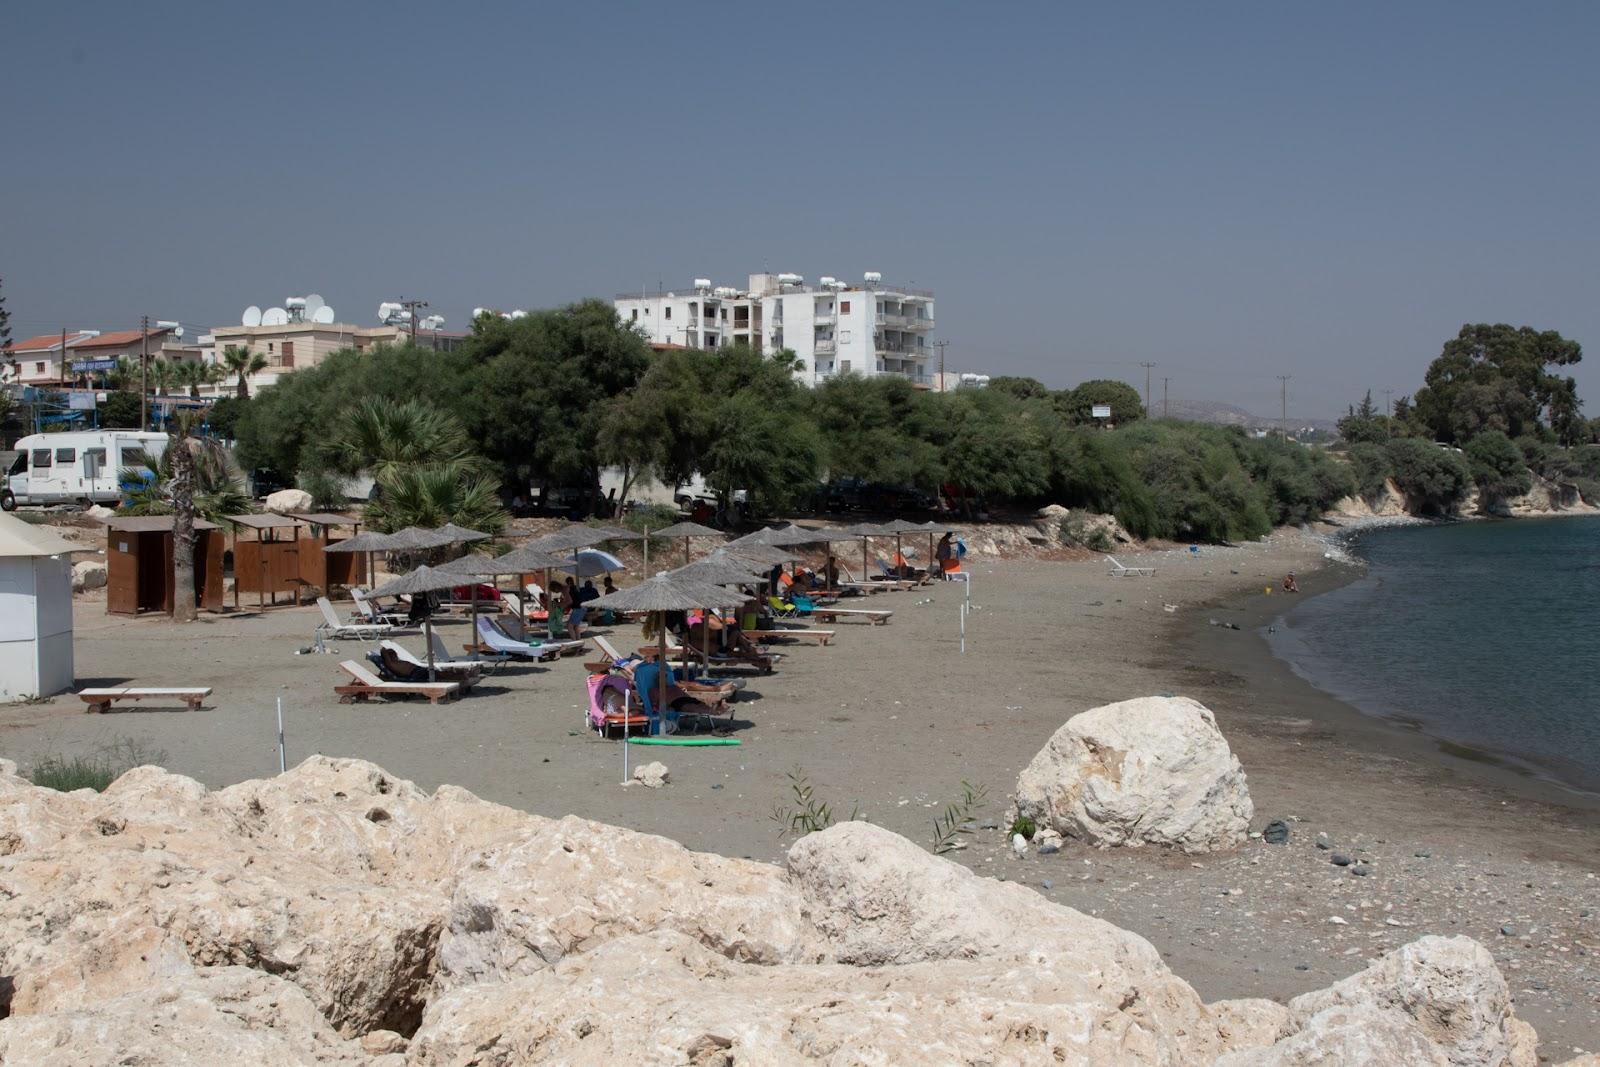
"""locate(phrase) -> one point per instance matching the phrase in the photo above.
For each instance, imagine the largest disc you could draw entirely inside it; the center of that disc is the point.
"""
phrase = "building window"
(844, 337)
(844, 366)
(269, 347)
(724, 314)
(669, 313)
(38, 368)
(635, 314)
(844, 307)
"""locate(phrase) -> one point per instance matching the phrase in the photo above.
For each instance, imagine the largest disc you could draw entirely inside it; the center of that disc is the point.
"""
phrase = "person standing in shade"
(945, 553)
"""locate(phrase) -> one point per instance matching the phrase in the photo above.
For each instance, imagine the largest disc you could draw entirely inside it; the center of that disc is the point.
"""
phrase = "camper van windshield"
(19, 465)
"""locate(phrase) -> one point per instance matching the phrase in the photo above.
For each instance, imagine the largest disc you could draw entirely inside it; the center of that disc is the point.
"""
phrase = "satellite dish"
(274, 317)
(177, 332)
(313, 302)
(251, 316)
(323, 314)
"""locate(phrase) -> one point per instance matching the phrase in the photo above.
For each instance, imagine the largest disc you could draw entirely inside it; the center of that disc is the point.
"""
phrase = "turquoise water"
(1486, 634)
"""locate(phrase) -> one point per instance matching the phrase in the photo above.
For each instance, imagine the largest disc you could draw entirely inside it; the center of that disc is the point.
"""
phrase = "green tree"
(119, 411)
(1498, 466)
(1370, 467)
(222, 416)
(1365, 424)
(1020, 388)
(1433, 480)
(1499, 377)
(379, 434)
(1077, 405)
(217, 483)
(243, 362)
(876, 429)
(7, 357)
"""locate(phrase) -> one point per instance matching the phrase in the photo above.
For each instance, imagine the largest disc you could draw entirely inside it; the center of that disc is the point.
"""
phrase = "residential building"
(833, 327)
(39, 360)
(293, 345)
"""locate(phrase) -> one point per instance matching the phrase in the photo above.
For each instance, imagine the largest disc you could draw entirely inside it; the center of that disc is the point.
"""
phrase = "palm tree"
(243, 362)
(382, 435)
(432, 494)
(162, 374)
(218, 483)
(187, 374)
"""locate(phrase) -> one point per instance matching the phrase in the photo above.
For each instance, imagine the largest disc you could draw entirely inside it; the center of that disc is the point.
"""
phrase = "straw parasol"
(370, 542)
(422, 580)
(687, 530)
(618, 533)
(418, 538)
(901, 527)
(460, 534)
(720, 568)
(865, 530)
(477, 565)
(758, 553)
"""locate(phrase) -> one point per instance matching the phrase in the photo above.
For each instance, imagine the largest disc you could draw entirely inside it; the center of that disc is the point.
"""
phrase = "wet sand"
(891, 720)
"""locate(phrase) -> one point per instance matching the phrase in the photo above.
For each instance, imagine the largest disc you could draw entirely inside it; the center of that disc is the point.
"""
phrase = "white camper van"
(75, 468)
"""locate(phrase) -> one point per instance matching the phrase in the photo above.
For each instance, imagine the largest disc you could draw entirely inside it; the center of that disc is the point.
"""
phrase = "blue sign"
(90, 365)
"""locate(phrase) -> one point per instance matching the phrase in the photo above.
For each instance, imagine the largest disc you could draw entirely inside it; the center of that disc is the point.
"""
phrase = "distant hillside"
(1232, 415)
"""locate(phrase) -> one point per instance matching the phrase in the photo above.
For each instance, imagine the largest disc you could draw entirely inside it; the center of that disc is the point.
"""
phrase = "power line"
(1147, 367)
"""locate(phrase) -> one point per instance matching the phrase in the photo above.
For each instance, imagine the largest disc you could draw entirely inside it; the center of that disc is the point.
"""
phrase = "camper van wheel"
(84, 503)
(8, 501)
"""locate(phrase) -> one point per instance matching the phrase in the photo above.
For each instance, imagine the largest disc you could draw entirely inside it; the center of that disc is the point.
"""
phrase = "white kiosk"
(35, 610)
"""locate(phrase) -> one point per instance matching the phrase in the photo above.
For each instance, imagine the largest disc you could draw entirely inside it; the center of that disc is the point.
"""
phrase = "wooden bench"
(876, 618)
(101, 699)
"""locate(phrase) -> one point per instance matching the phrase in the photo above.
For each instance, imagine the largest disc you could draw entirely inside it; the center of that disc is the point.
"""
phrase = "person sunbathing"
(1290, 585)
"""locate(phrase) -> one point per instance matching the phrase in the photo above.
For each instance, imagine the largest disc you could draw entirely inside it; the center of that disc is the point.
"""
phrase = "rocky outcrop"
(1389, 502)
(1155, 770)
(88, 574)
(287, 501)
(337, 915)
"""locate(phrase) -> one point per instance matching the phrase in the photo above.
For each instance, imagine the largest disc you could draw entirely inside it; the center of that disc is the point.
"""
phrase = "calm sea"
(1486, 634)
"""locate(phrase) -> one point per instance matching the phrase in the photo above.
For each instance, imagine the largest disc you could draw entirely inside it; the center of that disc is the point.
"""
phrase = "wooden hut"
(267, 562)
(317, 566)
(139, 564)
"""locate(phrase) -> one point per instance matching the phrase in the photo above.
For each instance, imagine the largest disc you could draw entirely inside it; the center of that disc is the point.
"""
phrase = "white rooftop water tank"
(873, 277)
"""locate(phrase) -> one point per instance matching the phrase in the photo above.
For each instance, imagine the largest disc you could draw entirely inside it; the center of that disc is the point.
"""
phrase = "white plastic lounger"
(497, 642)
(333, 626)
(464, 671)
(1120, 571)
(101, 699)
(367, 684)
(372, 613)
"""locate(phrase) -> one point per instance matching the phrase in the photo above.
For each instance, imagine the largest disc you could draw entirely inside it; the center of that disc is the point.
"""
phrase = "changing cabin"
(139, 575)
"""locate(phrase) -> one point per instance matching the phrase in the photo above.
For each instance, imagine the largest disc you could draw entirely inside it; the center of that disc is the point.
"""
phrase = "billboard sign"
(1102, 411)
(89, 366)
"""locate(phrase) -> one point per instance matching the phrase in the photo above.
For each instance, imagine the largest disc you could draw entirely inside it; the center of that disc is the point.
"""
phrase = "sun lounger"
(370, 612)
(798, 633)
(101, 699)
(367, 684)
(646, 677)
(496, 641)
(399, 661)
(828, 613)
(1120, 571)
(334, 627)
(761, 661)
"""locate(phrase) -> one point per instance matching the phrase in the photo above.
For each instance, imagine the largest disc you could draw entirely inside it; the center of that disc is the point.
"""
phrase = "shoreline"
(1249, 654)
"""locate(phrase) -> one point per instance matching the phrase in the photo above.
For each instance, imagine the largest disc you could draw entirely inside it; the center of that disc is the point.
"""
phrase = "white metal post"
(283, 759)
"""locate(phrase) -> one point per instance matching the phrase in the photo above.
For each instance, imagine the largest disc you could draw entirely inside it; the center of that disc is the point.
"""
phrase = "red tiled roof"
(44, 342)
(118, 338)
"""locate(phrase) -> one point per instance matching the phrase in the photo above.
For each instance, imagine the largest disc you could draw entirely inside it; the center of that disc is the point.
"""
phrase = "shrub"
(1498, 465)
(1369, 468)
(1433, 479)
(95, 771)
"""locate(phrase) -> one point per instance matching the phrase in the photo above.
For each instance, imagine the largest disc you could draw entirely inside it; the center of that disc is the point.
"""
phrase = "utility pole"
(1147, 367)
(413, 306)
(1388, 402)
(144, 370)
(1164, 382)
(941, 345)
(1283, 400)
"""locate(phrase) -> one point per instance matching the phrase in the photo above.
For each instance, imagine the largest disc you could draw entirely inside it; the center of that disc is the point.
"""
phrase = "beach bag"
(961, 548)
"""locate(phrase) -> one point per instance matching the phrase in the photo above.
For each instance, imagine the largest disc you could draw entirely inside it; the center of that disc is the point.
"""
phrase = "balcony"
(824, 346)
(904, 322)
(899, 351)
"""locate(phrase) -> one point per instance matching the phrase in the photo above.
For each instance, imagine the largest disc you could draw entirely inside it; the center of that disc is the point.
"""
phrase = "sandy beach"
(892, 720)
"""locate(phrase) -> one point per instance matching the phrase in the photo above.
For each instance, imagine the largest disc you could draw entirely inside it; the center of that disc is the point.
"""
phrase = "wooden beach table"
(101, 699)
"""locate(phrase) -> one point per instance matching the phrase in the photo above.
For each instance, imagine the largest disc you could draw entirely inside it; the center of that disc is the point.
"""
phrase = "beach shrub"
(94, 771)
(1076, 531)
(807, 813)
(1433, 479)
(1498, 466)
(1024, 825)
(1089, 470)
(954, 823)
(1369, 469)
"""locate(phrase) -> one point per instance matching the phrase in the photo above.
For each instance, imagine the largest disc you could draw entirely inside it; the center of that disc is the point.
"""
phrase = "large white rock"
(221, 1015)
(88, 574)
(1347, 1036)
(1448, 987)
(1155, 770)
(285, 501)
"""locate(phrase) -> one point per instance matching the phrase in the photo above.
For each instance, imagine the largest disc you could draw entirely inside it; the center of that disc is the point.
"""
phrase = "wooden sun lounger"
(822, 637)
(367, 684)
(101, 699)
(830, 614)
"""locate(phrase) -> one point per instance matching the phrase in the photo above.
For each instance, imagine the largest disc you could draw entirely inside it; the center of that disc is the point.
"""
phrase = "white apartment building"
(833, 327)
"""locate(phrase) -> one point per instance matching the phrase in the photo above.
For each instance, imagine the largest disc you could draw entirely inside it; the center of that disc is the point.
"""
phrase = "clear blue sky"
(1233, 191)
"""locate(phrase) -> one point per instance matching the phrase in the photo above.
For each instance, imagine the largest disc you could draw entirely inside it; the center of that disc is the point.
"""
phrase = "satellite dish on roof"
(274, 317)
(313, 302)
(251, 316)
(323, 315)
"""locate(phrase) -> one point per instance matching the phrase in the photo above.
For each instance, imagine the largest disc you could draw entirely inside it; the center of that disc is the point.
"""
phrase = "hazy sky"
(1234, 191)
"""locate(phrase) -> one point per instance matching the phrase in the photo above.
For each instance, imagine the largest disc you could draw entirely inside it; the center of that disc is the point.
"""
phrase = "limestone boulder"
(878, 900)
(576, 884)
(665, 998)
(222, 1015)
(1347, 1036)
(1448, 987)
(1155, 770)
(652, 775)
(286, 501)
(88, 574)
(1250, 1023)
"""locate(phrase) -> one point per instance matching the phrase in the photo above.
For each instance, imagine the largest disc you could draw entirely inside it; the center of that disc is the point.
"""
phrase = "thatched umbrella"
(687, 530)
(422, 580)
(901, 527)
(460, 534)
(370, 542)
(667, 592)
(755, 552)
(719, 568)
(864, 530)
(570, 538)
(478, 565)
(417, 539)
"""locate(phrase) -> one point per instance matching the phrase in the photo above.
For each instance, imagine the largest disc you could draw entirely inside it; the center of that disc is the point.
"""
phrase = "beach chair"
(721, 689)
(612, 707)
(761, 661)
(796, 633)
(828, 613)
(365, 684)
(334, 627)
(399, 661)
(1120, 571)
(647, 679)
(495, 640)
(370, 612)
(782, 609)
(101, 699)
